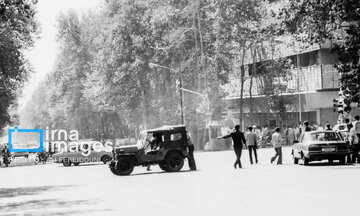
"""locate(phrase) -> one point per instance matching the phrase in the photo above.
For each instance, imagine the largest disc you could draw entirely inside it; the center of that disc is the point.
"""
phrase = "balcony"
(311, 78)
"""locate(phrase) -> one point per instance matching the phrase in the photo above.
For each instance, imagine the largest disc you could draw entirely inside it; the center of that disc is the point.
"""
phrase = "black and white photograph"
(179, 107)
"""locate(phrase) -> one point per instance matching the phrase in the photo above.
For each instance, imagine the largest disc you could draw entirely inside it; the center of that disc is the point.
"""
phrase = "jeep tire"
(66, 162)
(174, 161)
(105, 159)
(162, 166)
(124, 166)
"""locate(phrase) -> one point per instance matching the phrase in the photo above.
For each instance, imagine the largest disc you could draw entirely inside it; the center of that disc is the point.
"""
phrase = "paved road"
(215, 189)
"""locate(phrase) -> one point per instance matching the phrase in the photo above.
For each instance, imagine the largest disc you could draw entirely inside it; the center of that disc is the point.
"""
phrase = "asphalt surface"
(215, 189)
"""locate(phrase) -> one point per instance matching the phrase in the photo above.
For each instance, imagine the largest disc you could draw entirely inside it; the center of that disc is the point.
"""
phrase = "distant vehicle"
(76, 157)
(19, 154)
(320, 145)
(169, 153)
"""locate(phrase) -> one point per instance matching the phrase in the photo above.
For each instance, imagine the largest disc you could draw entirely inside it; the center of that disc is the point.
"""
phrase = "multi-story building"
(312, 86)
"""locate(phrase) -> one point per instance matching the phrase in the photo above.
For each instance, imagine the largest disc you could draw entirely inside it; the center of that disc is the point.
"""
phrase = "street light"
(153, 65)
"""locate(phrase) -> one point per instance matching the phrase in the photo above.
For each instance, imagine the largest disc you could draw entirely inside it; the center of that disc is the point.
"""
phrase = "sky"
(43, 55)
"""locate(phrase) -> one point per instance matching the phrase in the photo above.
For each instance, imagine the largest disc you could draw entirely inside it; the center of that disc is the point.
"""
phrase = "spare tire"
(124, 166)
(174, 162)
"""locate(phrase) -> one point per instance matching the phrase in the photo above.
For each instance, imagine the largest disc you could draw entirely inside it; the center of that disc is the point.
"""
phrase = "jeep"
(166, 146)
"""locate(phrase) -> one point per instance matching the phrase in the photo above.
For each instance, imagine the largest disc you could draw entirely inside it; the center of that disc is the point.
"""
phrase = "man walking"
(276, 140)
(251, 140)
(238, 142)
(355, 132)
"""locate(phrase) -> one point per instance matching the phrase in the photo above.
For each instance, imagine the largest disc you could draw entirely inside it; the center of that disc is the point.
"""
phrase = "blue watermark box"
(40, 131)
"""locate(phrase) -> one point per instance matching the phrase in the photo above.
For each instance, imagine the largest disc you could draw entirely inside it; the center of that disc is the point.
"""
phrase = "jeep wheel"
(105, 159)
(174, 162)
(66, 162)
(112, 167)
(162, 166)
(124, 166)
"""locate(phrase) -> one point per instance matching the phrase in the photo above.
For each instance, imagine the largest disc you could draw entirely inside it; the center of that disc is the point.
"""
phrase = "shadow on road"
(35, 206)
(160, 172)
(27, 191)
(86, 164)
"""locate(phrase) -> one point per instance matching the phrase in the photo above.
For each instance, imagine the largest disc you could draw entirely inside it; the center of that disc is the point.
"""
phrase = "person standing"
(276, 140)
(306, 126)
(191, 159)
(238, 142)
(291, 135)
(328, 127)
(353, 140)
(264, 136)
(320, 128)
(251, 140)
(355, 131)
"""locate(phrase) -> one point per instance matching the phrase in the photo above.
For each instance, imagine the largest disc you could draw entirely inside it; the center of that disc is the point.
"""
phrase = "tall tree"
(17, 33)
(335, 20)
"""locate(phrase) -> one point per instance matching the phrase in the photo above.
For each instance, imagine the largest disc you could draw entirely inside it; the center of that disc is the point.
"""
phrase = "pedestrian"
(356, 125)
(320, 128)
(298, 131)
(191, 159)
(251, 140)
(291, 135)
(257, 130)
(238, 142)
(306, 126)
(285, 134)
(328, 127)
(354, 143)
(264, 136)
(276, 140)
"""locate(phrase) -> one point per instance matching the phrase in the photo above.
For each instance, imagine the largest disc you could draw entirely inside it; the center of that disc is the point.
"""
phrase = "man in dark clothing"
(306, 125)
(238, 142)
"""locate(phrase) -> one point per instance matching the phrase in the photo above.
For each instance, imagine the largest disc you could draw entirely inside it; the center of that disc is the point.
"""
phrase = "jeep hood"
(127, 149)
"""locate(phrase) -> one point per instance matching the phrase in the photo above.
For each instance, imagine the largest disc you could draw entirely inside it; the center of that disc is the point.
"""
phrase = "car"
(320, 145)
(19, 154)
(73, 155)
(170, 153)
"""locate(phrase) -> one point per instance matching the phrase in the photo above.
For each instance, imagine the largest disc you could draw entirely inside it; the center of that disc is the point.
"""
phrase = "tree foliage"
(103, 84)
(17, 33)
(335, 20)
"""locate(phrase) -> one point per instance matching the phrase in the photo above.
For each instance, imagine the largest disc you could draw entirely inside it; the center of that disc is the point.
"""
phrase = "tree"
(335, 20)
(17, 33)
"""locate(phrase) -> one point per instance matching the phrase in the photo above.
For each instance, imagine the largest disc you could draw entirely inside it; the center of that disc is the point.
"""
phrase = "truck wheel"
(105, 159)
(124, 166)
(162, 166)
(174, 162)
(66, 162)
(76, 164)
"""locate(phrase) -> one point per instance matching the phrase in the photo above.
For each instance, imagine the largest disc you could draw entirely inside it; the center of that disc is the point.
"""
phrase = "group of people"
(251, 139)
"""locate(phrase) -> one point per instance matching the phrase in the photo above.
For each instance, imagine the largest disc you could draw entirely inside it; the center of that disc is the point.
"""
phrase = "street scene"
(203, 107)
(216, 188)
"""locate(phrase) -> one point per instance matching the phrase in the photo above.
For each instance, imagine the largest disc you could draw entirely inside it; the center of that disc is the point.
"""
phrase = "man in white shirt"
(251, 140)
(276, 140)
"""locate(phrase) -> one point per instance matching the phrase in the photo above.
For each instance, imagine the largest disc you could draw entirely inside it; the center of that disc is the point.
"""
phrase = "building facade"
(312, 85)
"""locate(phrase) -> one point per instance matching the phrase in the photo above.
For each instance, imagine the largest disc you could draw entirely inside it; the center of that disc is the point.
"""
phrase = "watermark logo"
(16, 130)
